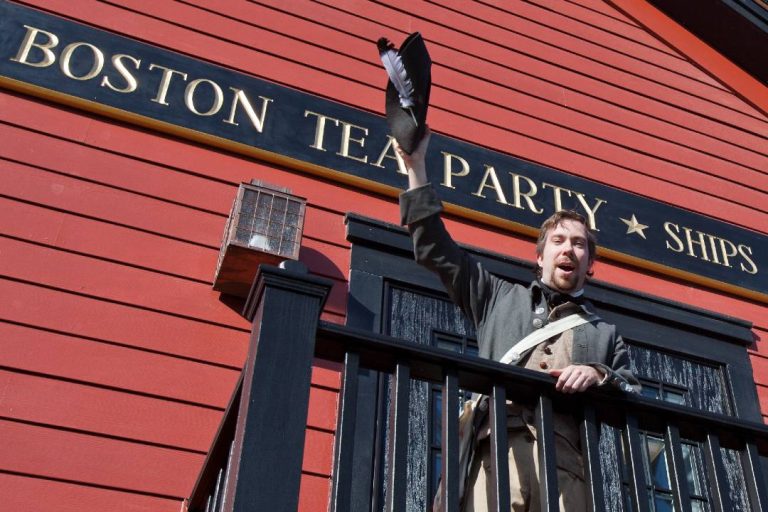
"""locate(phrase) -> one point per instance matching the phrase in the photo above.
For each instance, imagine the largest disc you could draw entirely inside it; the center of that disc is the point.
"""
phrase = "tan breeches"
(523, 478)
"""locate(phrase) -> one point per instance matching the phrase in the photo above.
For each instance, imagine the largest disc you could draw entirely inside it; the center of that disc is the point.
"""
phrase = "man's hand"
(414, 163)
(576, 378)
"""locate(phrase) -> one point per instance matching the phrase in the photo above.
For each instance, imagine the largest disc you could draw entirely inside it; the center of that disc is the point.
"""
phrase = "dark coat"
(503, 312)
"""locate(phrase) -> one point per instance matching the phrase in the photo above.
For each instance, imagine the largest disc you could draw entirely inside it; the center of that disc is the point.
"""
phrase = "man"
(504, 314)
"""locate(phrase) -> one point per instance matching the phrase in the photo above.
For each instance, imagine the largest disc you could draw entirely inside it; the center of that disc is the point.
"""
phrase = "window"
(463, 345)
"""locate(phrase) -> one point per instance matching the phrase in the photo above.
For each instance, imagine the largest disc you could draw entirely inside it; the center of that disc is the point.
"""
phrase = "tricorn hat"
(410, 80)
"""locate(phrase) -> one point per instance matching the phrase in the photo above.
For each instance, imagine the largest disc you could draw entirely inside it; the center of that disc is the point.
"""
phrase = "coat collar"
(538, 299)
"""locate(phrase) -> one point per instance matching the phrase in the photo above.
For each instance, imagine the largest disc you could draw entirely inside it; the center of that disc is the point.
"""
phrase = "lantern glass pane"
(270, 221)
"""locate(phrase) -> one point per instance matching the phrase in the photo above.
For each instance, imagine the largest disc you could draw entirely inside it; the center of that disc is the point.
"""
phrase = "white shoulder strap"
(571, 321)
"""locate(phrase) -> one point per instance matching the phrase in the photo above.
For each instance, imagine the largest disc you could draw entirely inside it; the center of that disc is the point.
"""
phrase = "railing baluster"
(545, 440)
(718, 482)
(755, 477)
(227, 471)
(345, 434)
(217, 491)
(590, 446)
(450, 448)
(634, 450)
(499, 449)
(398, 439)
(677, 470)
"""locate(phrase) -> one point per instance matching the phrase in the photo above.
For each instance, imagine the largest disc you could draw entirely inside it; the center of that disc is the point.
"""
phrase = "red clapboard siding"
(21, 493)
(618, 27)
(101, 364)
(762, 396)
(582, 39)
(315, 493)
(761, 335)
(114, 282)
(326, 374)
(124, 208)
(106, 168)
(322, 408)
(760, 369)
(324, 258)
(51, 453)
(82, 316)
(107, 412)
(601, 64)
(336, 303)
(325, 225)
(318, 452)
(699, 52)
(603, 9)
(50, 227)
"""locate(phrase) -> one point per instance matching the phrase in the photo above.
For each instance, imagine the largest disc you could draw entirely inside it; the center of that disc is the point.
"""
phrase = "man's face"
(565, 260)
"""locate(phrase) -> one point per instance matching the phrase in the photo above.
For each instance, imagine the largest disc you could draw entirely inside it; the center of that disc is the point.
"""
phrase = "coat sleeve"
(468, 284)
(617, 369)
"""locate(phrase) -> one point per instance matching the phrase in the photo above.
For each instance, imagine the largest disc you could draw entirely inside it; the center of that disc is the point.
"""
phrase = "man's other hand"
(575, 378)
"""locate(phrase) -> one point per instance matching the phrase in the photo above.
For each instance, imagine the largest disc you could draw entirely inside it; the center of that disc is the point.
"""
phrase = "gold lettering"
(66, 57)
(319, 128)
(29, 42)
(346, 138)
(743, 250)
(385, 153)
(528, 196)
(590, 211)
(691, 243)
(557, 190)
(729, 251)
(241, 98)
(130, 81)
(490, 172)
(668, 226)
(165, 82)
(189, 97)
(448, 173)
(713, 248)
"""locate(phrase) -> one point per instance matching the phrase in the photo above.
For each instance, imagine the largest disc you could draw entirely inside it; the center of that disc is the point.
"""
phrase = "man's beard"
(562, 283)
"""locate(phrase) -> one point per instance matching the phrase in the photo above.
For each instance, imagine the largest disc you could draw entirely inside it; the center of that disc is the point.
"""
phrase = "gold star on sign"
(633, 226)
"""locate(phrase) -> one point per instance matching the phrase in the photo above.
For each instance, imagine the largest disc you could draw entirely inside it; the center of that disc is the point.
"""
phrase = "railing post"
(284, 306)
(590, 442)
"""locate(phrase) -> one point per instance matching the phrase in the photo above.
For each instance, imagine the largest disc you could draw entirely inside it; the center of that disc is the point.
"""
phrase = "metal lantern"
(264, 226)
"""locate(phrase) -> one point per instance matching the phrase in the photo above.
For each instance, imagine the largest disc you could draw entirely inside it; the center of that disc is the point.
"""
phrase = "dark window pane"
(664, 503)
(658, 463)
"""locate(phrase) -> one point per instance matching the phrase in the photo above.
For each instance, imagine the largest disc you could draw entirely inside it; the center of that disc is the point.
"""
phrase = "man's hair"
(555, 220)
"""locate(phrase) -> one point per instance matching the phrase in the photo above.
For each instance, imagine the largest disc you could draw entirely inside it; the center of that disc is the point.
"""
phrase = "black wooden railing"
(255, 461)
